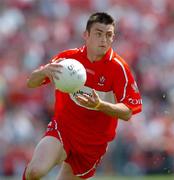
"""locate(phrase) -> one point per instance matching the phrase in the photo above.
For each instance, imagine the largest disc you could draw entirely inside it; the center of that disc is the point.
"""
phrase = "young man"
(84, 122)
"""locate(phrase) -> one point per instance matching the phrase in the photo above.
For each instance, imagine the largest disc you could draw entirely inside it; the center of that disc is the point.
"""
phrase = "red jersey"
(113, 81)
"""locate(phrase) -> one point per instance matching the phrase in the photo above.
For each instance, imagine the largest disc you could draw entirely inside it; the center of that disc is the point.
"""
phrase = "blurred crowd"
(33, 31)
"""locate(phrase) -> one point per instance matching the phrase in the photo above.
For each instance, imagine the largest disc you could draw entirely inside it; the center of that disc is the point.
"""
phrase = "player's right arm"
(46, 73)
(43, 74)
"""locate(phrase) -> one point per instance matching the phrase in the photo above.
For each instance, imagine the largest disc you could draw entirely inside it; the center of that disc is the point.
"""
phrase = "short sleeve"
(126, 89)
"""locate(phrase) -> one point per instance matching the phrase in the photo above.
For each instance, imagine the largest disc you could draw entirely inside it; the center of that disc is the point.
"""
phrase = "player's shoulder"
(69, 53)
(118, 61)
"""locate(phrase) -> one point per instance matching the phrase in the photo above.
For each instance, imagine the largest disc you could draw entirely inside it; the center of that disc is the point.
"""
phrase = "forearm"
(50, 70)
(118, 110)
(36, 79)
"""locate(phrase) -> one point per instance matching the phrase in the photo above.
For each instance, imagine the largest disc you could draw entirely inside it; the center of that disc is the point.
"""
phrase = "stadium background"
(32, 31)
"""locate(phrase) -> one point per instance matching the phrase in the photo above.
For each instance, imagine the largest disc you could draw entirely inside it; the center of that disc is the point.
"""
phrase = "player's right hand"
(51, 70)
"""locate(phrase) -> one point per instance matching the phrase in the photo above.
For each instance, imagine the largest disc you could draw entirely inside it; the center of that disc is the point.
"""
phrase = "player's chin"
(102, 50)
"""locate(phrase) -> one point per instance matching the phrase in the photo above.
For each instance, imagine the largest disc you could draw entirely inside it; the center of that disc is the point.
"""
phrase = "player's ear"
(85, 35)
(114, 37)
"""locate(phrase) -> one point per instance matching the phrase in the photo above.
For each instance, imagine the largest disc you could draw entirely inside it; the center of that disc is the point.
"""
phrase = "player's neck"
(93, 57)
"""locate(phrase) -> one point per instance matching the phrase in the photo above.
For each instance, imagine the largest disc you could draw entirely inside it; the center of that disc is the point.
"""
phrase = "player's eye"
(98, 34)
(109, 35)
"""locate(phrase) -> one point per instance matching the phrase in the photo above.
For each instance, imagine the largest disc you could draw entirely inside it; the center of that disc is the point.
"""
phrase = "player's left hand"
(89, 101)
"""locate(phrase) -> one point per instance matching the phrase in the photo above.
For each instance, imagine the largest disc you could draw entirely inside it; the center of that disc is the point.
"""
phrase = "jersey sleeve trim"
(111, 54)
(126, 78)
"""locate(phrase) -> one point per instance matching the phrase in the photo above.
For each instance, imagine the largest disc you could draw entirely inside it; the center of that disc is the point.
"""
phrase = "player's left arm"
(128, 97)
(127, 93)
(118, 110)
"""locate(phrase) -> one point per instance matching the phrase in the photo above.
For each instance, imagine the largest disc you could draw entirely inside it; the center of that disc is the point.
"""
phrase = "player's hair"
(99, 17)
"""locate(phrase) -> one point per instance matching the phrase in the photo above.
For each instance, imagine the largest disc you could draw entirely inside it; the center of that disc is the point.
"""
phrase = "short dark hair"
(99, 17)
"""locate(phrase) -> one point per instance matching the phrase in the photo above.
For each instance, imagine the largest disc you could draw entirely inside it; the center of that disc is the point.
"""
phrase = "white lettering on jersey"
(135, 101)
(105, 96)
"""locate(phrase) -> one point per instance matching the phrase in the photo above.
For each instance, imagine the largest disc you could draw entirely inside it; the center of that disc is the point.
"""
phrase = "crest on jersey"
(102, 80)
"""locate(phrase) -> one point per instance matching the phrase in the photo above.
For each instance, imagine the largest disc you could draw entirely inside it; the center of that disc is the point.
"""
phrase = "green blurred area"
(135, 178)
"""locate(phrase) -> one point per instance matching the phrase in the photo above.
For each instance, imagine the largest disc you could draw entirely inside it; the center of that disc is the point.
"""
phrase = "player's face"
(100, 38)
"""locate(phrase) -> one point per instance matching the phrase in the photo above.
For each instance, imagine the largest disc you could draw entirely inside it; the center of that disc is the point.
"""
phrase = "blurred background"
(33, 31)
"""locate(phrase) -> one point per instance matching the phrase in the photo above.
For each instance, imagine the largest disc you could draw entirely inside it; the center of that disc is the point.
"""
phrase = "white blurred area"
(33, 31)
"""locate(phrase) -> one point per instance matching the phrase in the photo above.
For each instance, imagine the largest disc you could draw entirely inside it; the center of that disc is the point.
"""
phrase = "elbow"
(127, 116)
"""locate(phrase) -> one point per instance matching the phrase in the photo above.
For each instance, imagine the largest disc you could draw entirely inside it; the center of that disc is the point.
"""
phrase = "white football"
(72, 76)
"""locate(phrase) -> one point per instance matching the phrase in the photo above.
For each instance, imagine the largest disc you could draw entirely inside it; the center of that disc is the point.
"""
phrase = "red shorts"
(82, 158)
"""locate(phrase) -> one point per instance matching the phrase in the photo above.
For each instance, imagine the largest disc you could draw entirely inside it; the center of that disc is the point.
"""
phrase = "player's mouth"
(102, 46)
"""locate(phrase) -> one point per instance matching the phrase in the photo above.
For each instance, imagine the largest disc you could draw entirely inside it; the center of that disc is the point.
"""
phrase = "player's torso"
(100, 78)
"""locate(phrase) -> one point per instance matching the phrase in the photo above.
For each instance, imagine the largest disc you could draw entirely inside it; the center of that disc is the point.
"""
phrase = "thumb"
(51, 79)
(94, 93)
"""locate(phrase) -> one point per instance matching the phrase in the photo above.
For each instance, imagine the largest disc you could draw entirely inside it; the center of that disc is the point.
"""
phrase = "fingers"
(55, 76)
(87, 100)
(59, 60)
(51, 78)
(52, 70)
(55, 66)
(82, 100)
(94, 93)
(56, 63)
(88, 97)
